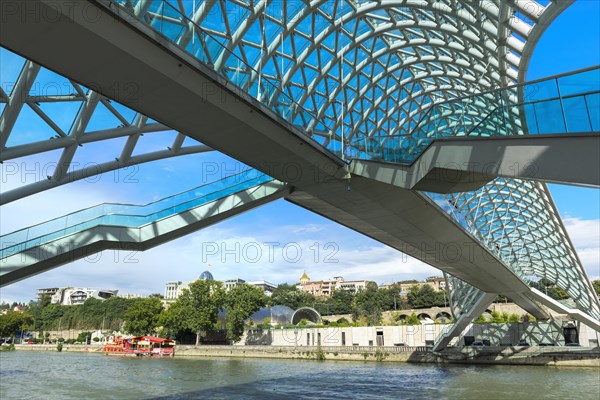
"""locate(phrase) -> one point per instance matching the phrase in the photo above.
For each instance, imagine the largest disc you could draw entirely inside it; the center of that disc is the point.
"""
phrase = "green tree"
(424, 296)
(173, 319)
(340, 302)
(83, 337)
(142, 317)
(45, 300)
(368, 305)
(241, 302)
(289, 295)
(548, 287)
(596, 285)
(390, 298)
(13, 322)
(197, 308)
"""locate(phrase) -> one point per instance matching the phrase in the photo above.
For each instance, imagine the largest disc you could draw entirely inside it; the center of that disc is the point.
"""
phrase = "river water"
(53, 375)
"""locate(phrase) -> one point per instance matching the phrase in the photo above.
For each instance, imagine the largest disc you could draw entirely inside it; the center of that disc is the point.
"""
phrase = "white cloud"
(585, 235)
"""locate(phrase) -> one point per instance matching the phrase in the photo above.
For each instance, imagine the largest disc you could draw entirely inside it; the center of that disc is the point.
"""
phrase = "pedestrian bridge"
(422, 164)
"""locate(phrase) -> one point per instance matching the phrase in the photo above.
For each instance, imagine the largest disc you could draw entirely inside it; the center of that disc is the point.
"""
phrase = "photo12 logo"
(255, 252)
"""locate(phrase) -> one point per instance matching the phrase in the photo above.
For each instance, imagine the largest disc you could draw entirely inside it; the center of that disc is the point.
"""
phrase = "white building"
(46, 292)
(326, 287)
(76, 295)
(174, 289)
(266, 286)
(231, 283)
(353, 286)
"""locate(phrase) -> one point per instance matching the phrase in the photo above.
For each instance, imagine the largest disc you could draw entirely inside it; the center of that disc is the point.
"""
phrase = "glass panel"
(128, 215)
(583, 82)
(576, 114)
(593, 109)
(539, 91)
(550, 117)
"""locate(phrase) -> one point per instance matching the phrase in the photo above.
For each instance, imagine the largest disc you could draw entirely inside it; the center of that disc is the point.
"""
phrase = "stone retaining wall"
(552, 356)
(534, 355)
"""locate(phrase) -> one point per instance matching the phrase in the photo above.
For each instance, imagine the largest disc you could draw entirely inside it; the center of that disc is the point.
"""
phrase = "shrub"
(528, 318)
(412, 319)
(379, 355)
(480, 320)
(497, 318)
(514, 318)
(320, 354)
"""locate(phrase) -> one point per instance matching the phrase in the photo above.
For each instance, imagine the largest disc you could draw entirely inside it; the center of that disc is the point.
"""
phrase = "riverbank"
(534, 355)
(66, 347)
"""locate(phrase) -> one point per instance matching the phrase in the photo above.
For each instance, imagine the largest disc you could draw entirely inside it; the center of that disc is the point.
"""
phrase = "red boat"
(141, 346)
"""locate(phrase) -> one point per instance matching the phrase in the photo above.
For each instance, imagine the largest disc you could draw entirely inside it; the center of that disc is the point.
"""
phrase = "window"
(343, 338)
(308, 339)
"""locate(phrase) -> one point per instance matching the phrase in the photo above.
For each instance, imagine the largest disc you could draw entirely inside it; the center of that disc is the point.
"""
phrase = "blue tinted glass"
(540, 91)
(593, 109)
(128, 215)
(550, 117)
(576, 114)
(583, 82)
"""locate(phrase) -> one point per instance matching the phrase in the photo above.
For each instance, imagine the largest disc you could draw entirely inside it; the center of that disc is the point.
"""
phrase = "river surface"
(53, 375)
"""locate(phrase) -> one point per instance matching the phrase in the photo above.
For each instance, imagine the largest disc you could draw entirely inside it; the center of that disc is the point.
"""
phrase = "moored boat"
(151, 346)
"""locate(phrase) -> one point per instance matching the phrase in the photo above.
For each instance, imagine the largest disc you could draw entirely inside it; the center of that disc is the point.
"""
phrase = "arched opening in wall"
(424, 317)
(487, 314)
(443, 317)
(401, 317)
(306, 316)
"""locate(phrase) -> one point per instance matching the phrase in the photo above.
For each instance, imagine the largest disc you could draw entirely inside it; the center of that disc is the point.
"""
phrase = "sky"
(275, 242)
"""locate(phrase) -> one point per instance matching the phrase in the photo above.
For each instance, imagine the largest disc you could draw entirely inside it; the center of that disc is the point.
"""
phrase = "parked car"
(477, 344)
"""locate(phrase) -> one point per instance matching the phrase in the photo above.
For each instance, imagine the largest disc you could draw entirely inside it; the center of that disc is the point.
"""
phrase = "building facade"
(174, 289)
(326, 287)
(74, 295)
(436, 283)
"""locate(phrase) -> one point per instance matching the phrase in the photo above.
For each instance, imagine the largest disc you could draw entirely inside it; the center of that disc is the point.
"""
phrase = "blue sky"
(571, 42)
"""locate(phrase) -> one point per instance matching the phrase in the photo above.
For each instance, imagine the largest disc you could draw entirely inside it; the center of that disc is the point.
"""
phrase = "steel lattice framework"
(368, 69)
(65, 171)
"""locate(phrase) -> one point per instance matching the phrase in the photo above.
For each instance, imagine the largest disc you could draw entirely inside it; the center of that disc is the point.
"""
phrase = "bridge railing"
(128, 215)
(565, 104)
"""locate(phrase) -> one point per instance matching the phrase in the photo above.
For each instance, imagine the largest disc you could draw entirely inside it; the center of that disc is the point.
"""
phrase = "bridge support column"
(577, 315)
(485, 299)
